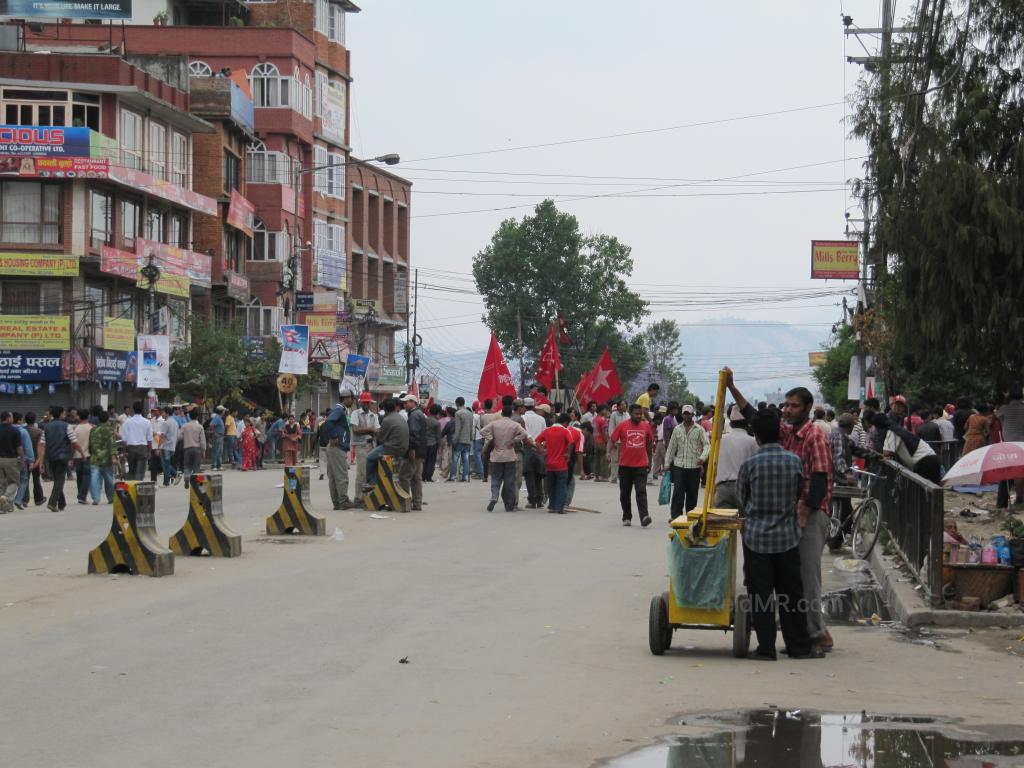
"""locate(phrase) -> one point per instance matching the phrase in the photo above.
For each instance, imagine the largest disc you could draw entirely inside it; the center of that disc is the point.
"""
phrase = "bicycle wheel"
(866, 526)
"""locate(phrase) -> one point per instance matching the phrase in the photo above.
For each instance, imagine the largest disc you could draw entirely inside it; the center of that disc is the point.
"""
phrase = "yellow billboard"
(172, 285)
(817, 359)
(35, 332)
(320, 323)
(119, 335)
(835, 259)
(38, 265)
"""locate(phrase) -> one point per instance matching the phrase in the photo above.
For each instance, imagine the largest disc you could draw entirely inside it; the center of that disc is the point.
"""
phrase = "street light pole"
(391, 158)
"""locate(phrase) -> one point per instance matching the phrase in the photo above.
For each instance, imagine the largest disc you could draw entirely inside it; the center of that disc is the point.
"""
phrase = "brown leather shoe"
(824, 642)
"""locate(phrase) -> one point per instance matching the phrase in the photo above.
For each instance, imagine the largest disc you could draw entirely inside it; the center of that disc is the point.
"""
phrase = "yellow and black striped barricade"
(294, 514)
(132, 546)
(387, 492)
(205, 528)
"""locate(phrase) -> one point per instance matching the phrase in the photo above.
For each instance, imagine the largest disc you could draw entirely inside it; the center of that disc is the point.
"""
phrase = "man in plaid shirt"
(800, 436)
(768, 486)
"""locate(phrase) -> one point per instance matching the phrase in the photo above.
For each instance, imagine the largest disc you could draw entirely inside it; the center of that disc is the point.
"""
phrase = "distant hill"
(766, 357)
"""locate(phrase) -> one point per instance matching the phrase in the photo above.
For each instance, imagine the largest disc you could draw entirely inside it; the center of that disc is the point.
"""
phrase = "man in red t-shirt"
(600, 424)
(636, 439)
(579, 443)
(558, 441)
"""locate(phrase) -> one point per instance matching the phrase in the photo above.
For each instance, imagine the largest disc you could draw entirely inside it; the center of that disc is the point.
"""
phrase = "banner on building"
(241, 213)
(44, 140)
(402, 293)
(114, 261)
(119, 334)
(197, 267)
(321, 324)
(67, 9)
(389, 377)
(237, 285)
(835, 259)
(154, 361)
(333, 119)
(294, 349)
(37, 265)
(28, 366)
(331, 269)
(35, 332)
(165, 190)
(113, 367)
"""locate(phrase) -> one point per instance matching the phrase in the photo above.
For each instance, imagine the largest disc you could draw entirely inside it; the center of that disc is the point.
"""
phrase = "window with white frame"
(268, 246)
(157, 150)
(31, 106)
(329, 250)
(131, 139)
(199, 69)
(307, 99)
(336, 24)
(321, 14)
(265, 82)
(318, 97)
(320, 158)
(180, 160)
(263, 321)
(267, 167)
(336, 177)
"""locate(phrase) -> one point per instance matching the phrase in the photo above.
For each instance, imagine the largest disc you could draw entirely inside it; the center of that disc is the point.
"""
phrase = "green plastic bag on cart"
(700, 575)
(665, 492)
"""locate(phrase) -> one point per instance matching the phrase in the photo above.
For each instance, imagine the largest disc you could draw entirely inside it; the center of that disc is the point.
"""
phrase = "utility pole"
(414, 361)
(522, 358)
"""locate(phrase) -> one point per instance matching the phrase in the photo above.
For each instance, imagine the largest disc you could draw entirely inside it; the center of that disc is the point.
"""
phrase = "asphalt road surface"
(525, 636)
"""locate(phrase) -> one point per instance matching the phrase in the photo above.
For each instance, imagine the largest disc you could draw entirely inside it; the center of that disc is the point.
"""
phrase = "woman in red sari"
(250, 447)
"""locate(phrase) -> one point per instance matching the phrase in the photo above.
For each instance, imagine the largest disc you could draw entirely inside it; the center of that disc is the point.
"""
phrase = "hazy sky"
(455, 77)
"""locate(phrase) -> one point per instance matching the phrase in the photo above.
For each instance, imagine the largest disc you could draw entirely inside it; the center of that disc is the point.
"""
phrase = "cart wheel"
(657, 625)
(668, 626)
(741, 627)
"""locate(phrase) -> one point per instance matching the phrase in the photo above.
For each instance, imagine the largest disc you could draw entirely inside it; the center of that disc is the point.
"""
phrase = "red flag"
(604, 380)
(496, 379)
(582, 391)
(550, 362)
(563, 330)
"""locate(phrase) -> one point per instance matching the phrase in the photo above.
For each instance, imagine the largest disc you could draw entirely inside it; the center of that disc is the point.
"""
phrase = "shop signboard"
(32, 365)
(119, 334)
(333, 123)
(114, 367)
(320, 323)
(391, 377)
(154, 361)
(303, 301)
(817, 359)
(176, 261)
(35, 332)
(237, 285)
(44, 140)
(835, 259)
(241, 213)
(37, 265)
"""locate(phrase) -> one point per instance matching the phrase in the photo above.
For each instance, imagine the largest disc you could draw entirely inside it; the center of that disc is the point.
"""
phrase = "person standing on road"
(57, 446)
(533, 463)
(365, 424)
(619, 414)
(338, 435)
(410, 474)
(558, 442)
(137, 434)
(168, 430)
(735, 448)
(102, 450)
(503, 434)
(231, 438)
(769, 485)
(12, 461)
(800, 436)
(217, 438)
(291, 440)
(462, 440)
(488, 416)
(35, 432)
(433, 442)
(83, 476)
(635, 440)
(193, 440)
(687, 450)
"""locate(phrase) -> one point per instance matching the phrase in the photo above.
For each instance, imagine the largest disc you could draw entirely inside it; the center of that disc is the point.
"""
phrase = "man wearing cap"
(339, 436)
(687, 450)
(736, 447)
(365, 424)
(410, 473)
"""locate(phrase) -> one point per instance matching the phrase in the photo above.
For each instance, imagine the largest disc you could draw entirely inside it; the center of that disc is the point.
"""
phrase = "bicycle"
(865, 521)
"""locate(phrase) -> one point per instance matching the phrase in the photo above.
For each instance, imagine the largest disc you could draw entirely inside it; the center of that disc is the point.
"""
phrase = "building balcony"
(222, 98)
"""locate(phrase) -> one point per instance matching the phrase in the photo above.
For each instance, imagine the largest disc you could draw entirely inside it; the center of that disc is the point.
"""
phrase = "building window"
(268, 167)
(42, 107)
(336, 176)
(101, 218)
(179, 230)
(233, 244)
(131, 223)
(232, 171)
(156, 225)
(31, 297)
(318, 97)
(180, 160)
(199, 69)
(321, 16)
(265, 81)
(29, 212)
(265, 245)
(131, 139)
(320, 159)
(157, 150)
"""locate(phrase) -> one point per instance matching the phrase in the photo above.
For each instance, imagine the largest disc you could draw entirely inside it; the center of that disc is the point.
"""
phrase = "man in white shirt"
(534, 469)
(137, 434)
(365, 424)
(736, 447)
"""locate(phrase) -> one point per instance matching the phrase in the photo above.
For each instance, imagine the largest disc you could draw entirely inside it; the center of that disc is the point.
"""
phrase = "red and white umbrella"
(987, 465)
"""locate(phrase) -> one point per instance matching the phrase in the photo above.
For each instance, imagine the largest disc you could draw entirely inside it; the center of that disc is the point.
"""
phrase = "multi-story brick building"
(95, 182)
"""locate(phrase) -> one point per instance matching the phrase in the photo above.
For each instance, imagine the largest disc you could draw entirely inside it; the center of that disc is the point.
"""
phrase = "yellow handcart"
(703, 561)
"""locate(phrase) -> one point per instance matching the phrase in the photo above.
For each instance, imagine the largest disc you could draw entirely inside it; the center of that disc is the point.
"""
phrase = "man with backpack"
(335, 436)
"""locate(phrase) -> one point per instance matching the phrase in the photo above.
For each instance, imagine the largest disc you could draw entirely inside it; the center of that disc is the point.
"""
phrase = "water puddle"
(856, 604)
(791, 738)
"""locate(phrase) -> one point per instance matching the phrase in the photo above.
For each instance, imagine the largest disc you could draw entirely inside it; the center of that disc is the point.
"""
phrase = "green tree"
(833, 377)
(216, 364)
(947, 156)
(663, 349)
(541, 266)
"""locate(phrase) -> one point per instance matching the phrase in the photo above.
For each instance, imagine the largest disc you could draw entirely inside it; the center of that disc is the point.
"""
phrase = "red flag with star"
(550, 362)
(604, 380)
(495, 379)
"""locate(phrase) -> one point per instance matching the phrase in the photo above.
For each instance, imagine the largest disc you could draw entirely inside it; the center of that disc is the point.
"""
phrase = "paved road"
(526, 638)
